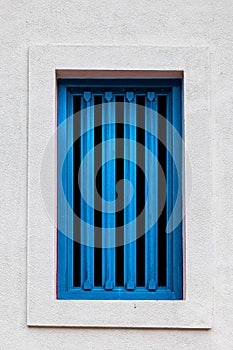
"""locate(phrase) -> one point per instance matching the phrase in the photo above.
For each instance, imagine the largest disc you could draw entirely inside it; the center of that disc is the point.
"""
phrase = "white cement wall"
(161, 23)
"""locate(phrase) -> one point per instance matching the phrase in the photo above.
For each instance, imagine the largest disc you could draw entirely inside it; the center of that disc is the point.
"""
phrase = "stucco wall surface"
(160, 23)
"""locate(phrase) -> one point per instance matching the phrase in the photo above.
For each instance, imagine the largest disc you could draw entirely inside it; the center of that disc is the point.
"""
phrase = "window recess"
(112, 145)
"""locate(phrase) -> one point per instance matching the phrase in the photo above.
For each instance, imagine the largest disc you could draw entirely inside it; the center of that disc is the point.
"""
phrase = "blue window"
(120, 189)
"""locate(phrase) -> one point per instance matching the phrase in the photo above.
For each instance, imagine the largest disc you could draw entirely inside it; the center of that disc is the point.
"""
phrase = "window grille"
(117, 141)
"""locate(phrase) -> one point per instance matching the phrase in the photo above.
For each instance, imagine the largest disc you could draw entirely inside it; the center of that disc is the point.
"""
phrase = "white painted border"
(42, 307)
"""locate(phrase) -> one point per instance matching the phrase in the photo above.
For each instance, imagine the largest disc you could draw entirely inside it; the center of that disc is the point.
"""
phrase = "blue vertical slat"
(151, 172)
(177, 192)
(108, 191)
(169, 192)
(62, 286)
(87, 188)
(130, 175)
(70, 187)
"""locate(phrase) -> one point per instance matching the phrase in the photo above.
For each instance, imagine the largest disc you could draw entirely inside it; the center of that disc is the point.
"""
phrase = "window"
(119, 183)
(49, 63)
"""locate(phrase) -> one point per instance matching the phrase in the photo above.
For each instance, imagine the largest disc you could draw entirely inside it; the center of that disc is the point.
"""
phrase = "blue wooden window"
(109, 130)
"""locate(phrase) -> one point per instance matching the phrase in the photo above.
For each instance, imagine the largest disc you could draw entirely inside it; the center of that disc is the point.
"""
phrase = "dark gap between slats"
(76, 192)
(162, 251)
(140, 193)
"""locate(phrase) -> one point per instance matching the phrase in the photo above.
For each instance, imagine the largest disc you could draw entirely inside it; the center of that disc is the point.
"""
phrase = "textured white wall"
(161, 23)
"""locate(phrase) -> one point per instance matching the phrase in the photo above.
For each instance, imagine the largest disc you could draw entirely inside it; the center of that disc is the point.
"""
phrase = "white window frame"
(43, 308)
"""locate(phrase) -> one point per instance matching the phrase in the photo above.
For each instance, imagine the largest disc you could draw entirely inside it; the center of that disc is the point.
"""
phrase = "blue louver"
(110, 130)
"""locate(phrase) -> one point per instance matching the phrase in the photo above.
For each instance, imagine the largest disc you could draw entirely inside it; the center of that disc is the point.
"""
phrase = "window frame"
(172, 88)
(43, 308)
